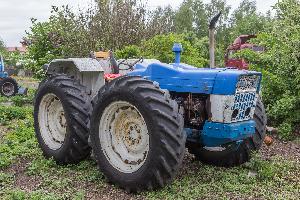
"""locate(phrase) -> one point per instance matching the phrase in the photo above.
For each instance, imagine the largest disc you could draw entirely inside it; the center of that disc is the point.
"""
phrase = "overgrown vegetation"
(116, 24)
(195, 49)
(9, 113)
(280, 64)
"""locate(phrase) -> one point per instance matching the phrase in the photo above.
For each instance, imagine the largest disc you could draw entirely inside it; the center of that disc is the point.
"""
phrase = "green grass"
(20, 100)
(276, 178)
(20, 144)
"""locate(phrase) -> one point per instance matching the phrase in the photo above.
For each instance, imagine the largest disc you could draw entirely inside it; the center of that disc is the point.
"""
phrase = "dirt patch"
(27, 183)
(3, 131)
(289, 150)
(21, 179)
(109, 192)
(8, 103)
(93, 190)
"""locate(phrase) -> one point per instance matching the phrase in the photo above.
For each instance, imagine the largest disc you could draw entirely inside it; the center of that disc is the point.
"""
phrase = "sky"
(15, 15)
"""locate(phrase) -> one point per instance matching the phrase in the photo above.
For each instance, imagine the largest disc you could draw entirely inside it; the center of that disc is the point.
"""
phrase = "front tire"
(8, 87)
(136, 134)
(235, 154)
(61, 118)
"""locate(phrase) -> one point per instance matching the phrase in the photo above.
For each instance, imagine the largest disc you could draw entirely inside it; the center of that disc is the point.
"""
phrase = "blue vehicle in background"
(9, 86)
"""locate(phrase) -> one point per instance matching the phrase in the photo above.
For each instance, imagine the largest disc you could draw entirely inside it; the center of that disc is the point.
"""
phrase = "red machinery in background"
(242, 42)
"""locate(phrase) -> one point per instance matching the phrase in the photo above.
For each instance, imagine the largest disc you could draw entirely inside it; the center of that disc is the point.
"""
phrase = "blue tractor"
(9, 86)
(137, 117)
(139, 124)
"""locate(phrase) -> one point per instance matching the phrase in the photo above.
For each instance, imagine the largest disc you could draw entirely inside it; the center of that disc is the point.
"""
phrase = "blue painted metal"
(3, 74)
(185, 78)
(1, 64)
(215, 134)
(177, 49)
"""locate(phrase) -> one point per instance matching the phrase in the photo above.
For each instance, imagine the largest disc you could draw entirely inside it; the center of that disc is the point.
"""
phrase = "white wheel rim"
(216, 149)
(124, 136)
(52, 121)
(8, 89)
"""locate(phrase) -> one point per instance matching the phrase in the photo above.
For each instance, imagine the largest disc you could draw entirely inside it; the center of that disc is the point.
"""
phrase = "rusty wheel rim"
(124, 136)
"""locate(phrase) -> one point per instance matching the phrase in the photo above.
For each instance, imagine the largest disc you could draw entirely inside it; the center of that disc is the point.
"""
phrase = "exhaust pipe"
(212, 27)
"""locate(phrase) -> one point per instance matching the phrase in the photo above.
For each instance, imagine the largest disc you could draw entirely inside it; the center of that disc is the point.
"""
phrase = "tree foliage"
(148, 49)
(280, 64)
(2, 46)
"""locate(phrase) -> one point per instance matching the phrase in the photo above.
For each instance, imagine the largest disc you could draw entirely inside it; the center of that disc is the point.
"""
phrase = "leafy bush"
(131, 51)
(13, 112)
(20, 141)
(160, 47)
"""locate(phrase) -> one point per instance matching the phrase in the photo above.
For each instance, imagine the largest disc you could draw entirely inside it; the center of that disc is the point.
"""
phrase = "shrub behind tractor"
(137, 117)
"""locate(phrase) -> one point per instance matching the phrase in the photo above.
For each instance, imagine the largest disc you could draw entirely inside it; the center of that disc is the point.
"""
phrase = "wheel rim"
(124, 136)
(215, 149)
(52, 121)
(8, 89)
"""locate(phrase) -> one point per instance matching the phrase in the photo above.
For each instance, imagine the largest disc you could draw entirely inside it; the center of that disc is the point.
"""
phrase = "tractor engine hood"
(188, 79)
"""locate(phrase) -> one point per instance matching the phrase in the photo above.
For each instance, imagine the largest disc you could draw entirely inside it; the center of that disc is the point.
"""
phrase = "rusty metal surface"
(124, 136)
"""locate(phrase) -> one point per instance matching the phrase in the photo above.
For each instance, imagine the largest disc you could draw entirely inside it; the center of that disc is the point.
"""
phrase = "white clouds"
(15, 15)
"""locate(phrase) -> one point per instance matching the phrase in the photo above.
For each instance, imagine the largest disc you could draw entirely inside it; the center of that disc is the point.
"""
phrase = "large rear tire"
(136, 134)
(235, 154)
(61, 118)
(8, 87)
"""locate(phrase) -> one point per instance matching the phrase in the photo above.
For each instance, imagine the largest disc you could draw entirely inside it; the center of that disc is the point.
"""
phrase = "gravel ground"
(289, 150)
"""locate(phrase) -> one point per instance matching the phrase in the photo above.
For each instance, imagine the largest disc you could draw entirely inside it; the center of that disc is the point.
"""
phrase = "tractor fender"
(81, 64)
(88, 71)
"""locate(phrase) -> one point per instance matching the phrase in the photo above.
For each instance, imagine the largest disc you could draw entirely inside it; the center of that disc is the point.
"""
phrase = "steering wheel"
(130, 66)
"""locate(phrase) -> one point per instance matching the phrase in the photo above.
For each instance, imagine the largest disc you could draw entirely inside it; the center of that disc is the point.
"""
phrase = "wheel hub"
(124, 136)
(52, 121)
(8, 89)
(132, 136)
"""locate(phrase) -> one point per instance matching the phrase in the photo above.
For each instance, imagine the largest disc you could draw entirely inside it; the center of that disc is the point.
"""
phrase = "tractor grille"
(245, 98)
(243, 107)
(247, 84)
